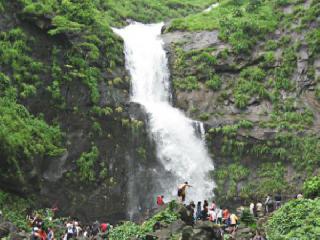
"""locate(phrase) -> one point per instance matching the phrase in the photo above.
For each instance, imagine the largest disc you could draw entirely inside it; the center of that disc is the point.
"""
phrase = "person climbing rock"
(182, 191)
(160, 200)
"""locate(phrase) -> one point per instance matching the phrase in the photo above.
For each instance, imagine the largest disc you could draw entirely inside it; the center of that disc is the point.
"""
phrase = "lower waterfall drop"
(182, 153)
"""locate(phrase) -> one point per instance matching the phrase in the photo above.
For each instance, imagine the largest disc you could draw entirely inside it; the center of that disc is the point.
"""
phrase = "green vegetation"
(247, 218)
(24, 138)
(116, 12)
(214, 83)
(227, 177)
(311, 187)
(130, 230)
(189, 83)
(241, 23)
(249, 85)
(86, 165)
(14, 209)
(150, 10)
(298, 219)
(15, 51)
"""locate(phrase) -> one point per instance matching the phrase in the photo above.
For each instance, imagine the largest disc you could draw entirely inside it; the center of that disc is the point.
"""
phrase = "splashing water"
(181, 152)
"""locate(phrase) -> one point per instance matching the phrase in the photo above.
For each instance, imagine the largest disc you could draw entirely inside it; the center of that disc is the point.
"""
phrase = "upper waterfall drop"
(182, 153)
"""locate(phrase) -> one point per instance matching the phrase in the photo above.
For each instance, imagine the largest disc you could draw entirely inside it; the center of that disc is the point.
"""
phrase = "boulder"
(185, 215)
(7, 228)
(19, 236)
(202, 231)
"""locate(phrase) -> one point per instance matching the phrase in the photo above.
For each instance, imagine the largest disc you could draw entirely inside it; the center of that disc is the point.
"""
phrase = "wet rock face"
(193, 41)
(126, 152)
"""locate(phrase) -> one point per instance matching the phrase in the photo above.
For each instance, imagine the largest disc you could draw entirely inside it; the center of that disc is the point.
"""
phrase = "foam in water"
(182, 153)
(211, 7)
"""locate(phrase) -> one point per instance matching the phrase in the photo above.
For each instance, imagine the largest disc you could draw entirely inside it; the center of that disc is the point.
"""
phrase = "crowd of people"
(223, 216)
(71, 230)
(203, 211)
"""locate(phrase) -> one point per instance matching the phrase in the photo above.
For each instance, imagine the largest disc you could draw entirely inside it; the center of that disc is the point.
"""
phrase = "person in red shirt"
(104, 227)
(225, 215)
(160, 201)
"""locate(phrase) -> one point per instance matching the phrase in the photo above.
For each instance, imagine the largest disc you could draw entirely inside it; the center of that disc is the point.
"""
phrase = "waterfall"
(182, 153)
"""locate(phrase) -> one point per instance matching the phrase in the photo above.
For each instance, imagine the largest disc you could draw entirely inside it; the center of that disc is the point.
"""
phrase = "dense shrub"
(298, 219)
(131, 230)
(86, 164)
(311, 187)
(24, 137)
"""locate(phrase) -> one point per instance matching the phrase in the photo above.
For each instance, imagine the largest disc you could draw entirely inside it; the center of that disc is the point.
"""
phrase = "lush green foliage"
(14, 209)
(129, 230)
(311, 187)
(15, 52)
(86, 165)
(150, 10)
(189, 83)
(246, 217)
(249, 85)
(241, 24)
(214, 83)
(298, 219)
(24, 137)
(117, 12)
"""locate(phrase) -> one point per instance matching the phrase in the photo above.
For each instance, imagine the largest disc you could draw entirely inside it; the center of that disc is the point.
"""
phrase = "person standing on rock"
(226, 215)
(219, 216)
(160, 200)
(259, 207)
(233, 222)
(182, 191)
(198, 213)
(277, 199)
(268, 204)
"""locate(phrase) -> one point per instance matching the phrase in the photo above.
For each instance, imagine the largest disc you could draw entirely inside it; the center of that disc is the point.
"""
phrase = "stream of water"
(180, 150)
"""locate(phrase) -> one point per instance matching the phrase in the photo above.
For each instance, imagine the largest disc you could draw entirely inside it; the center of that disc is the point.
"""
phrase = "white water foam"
(182, 153)
(211, 7)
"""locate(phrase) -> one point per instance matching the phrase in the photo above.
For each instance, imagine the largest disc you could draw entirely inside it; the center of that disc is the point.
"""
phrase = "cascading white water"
(181, 152)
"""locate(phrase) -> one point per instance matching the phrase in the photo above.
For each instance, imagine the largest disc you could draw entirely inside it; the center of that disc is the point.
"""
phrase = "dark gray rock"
(192, 41)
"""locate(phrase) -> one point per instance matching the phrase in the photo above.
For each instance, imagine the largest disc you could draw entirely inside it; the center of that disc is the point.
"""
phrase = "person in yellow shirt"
(233, 222)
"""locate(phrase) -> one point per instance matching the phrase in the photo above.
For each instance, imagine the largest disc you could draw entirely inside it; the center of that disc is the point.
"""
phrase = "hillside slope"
(250, 70)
